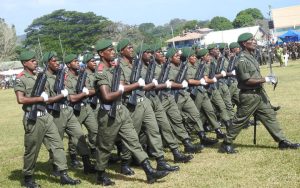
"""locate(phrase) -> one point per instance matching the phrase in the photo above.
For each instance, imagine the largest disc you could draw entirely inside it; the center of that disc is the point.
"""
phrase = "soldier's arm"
(22, 99)
(148, 87)
(107, 95)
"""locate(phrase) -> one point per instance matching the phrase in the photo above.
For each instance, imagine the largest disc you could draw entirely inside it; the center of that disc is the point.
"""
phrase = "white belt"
(63, 106)
(41, 113)
(108, 107)
(140, 99)
(82, 104)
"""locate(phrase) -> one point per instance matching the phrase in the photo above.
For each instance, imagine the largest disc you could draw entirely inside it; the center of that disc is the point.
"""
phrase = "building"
(286, 18)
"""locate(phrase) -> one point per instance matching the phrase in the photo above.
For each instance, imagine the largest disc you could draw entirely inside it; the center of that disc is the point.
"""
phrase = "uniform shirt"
(207, 68)
(90, 79)
(157, 70)
(70, 83)
(191, 73)
(24, 83)
(49, 87)
(173, 72)
(247, 67)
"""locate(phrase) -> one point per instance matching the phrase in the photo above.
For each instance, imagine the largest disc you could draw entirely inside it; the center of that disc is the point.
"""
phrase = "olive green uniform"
(110, 128)
(39, 131)
(86, 115)
(185, 104)
(90, 84)
(161, 117)
(142, 115)
(215, 96)
(253, 100)
(233, 89)
(169, 104)
(201, 99)
(65, 119)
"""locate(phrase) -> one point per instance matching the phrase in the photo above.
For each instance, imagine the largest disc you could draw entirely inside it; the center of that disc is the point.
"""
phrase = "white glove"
(215, 79)
(64, 92)
(169, 84)
(223, 73)
(184, 84)
(268, 79)
(141, 82)
(85, 90)
(155, 82)
(202, 82)
(121, 88)
(233, 72)
(45, 96)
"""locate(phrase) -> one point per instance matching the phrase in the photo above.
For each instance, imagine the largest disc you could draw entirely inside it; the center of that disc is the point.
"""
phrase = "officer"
(85, 113)
(165, 128)
(40, 130)
(63, 115)
(185, 103)
(253, 98)
(200, 98)
(121, 125)
(142, 115)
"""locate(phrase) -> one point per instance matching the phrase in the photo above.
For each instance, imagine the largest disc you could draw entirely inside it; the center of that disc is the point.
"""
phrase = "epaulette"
(20, 74)
(100, 67)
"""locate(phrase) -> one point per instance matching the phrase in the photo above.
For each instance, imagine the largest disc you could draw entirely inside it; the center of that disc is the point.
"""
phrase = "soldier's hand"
(154, 81)
(169, 84)
(223, 73)
(45, 96)
(268, 79)
(202, 82)
(85, 90)
(64, 92)
(121, 88)
(233, 72)
(184, 84)
(215, 79)
(141, 82)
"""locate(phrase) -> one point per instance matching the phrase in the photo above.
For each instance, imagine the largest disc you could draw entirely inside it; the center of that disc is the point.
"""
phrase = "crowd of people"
(139, 104)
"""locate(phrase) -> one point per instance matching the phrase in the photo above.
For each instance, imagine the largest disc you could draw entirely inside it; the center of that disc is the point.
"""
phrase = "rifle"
(38, 88)
(150, 75)
(163, 76)
(230, 68)
(79, 86)
(134, 77)
(211, 75)
(115, 87)
(179, 78)
(220, 64)
(198, 76)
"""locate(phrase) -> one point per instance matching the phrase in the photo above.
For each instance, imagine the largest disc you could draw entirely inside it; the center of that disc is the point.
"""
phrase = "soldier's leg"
(234, 92)
(225, 94)
(218, 102)
(91, 125)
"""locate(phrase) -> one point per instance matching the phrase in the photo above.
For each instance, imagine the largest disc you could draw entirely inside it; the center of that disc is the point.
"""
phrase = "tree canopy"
(8, 41)
(220, 23)
(247, 17)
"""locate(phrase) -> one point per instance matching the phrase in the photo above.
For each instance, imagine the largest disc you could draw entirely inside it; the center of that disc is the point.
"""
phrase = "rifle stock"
(115, 86)
(79, 86)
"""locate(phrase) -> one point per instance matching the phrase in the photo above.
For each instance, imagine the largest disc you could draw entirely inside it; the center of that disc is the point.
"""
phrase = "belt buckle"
(82, 104)
(118, 107)
(140, 99)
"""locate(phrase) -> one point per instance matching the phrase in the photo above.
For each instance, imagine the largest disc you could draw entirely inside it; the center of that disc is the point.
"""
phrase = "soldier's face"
(159, 56)
(250, 44)
(193, 59)
(146, 56)
(176, 59)
(53, 64)
(91, 64)
(31, 64)
(108, 54)
(128, 52)
(74, 64)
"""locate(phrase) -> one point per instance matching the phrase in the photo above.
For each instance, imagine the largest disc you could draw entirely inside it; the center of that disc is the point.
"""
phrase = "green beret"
(122, 44)
(156, 47)
(143, 48)
(202, 52)
(103, 44)
(234, 45)
(211, 46)
(244, 37)
(187, 52)
(48, 55)
(87, 57)
(26, 55)
(69, 58)
(223, 45)
(195, 46)
(171, 52)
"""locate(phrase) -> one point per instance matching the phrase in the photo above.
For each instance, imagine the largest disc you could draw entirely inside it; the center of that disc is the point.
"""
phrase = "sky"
(21, 13)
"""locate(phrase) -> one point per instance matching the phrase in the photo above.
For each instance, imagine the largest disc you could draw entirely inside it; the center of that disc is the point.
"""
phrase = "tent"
(290, 36)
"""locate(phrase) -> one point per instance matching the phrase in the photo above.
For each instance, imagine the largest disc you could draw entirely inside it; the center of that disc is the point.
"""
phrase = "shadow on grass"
(255, 146)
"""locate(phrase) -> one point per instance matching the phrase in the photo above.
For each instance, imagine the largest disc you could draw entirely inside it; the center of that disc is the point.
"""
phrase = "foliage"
(247, 17)
(8, 41)
(219, 23)
(190, 25)
(78, 31)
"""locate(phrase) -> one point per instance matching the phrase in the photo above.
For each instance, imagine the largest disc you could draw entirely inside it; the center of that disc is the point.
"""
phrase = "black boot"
(88, 168)
(103, 180)
(74, 162)
(151, 173)
(55, 171)
(65, 179)
(275, 108)
(125, 168)
(163, 165)
(227, 148)
(219, 133)
(189, 147)
(180, 157)
(284, 144)
(30, 183)
(205, 140)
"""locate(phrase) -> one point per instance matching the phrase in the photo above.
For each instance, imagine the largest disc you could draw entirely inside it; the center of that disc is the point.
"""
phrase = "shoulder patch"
(20, 74)
(100, 67)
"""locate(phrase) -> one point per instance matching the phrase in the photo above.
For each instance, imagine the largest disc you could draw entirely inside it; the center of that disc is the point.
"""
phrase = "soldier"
(201, 98)
(85, 114)
(142, 115)
(40, 130)
(185, 103)
(160, 114)
(121, 125)
(210, 79)
(231, 74)
(171, 108)
(253, 99)
(63, 117)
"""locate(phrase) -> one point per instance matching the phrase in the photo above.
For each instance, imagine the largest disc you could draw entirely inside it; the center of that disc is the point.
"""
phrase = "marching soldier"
(231, 76)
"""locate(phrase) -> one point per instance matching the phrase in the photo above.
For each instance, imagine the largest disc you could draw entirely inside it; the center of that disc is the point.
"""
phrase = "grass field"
(263, 165)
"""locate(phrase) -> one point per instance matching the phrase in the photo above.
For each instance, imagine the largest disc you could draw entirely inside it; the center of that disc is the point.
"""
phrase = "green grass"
(262, 165)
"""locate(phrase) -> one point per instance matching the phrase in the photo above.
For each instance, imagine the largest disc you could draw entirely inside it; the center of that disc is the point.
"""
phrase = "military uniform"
(86, 115)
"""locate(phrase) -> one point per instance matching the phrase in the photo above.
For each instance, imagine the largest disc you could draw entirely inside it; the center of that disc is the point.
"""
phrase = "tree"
(220, 23)
(190, 25)
(78, 31)
(247, 17)
(8, 41)
(254, 12)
